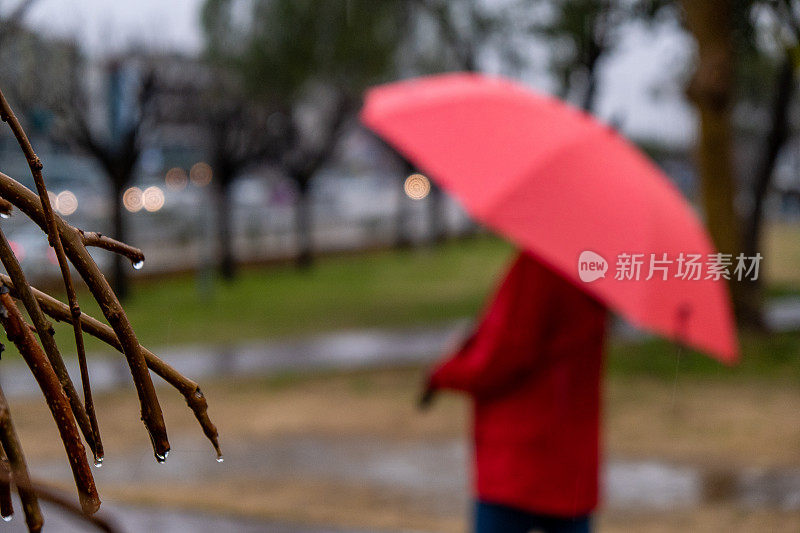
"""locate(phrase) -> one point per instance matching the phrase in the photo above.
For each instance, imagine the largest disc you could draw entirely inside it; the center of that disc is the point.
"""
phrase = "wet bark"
(711, 90)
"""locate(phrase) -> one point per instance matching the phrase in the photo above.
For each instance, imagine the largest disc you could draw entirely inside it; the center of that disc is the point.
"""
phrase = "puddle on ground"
(434, 472)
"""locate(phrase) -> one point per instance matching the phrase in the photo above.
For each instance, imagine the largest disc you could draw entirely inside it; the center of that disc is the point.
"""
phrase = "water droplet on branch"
(98, 462)
(160, 459)
(138, 265)
(220, 459)
(8, 518)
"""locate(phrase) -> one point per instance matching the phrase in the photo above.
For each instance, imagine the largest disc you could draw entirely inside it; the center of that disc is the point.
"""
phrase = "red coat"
(533, 369)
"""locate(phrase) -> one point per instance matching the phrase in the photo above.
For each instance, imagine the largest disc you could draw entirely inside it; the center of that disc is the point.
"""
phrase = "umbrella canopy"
(570, 190)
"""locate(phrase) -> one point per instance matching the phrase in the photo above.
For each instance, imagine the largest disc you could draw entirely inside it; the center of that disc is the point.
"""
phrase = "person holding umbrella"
(602, 227)
(532, 369)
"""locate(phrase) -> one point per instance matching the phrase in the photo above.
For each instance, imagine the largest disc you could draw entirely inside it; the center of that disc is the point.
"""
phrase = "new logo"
(591, 266)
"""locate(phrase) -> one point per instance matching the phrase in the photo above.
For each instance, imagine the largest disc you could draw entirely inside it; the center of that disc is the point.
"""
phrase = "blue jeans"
(494, 518)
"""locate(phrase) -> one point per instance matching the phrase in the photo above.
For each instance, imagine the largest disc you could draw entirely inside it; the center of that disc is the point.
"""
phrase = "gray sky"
(635, 84)
(109, 25)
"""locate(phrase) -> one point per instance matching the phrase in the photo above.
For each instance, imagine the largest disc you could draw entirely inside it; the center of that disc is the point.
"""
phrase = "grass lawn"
(395, 289)
(373, 289)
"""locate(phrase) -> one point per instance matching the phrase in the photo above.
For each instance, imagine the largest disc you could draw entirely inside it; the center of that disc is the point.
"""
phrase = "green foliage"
(767, 356)
(281, 47)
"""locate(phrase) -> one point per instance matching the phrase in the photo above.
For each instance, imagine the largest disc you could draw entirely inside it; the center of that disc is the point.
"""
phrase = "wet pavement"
(132, 519)
(783, 314)
(341, 350)
(432, 474)
(355, 349)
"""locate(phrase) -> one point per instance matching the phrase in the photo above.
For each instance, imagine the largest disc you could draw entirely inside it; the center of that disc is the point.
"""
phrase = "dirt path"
(320, 451)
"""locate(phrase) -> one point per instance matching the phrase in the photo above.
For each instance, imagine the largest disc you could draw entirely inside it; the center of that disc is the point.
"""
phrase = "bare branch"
(188, 388)
(44, 329)
(18, 467)
(45, 361)
(6, 505)
(99, 240)
(6, 207)
(49, 495)
(18, 333)
(150, 408)
(54, 238)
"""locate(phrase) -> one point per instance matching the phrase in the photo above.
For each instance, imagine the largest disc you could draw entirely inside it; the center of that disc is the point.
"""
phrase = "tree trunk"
(776, 138)
(589, 97)
(436, 221)
(711, 90)
(222, 201)
(119, 276)
(303, 225)
(402, 240)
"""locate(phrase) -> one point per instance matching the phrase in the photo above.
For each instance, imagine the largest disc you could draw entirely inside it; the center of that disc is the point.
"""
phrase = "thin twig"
(6, 505)
(6, 207)
(99, 240)
(54, 238)
(19, 469)
(189, 389)
(13, 322)
(29, 203)
(44, 330)
(47, 494)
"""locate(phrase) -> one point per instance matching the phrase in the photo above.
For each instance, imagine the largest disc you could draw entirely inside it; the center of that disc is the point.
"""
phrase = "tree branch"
(18, 467)
(151, 410)
(188, 388)
(54, 238)
(5, 207)
(19, 333)
(98, 240)
(51, 496)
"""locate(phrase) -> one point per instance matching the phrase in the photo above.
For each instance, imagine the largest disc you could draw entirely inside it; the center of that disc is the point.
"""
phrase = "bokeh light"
(200, 174)
(132, 199)
(66, 203)
(153, 198)
(176, 179)
(417, 186)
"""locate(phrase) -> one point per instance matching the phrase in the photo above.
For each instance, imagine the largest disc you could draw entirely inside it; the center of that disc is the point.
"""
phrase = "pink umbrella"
(570, 190)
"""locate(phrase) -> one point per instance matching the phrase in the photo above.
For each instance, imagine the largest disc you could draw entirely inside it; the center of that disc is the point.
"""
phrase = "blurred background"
(298, 272)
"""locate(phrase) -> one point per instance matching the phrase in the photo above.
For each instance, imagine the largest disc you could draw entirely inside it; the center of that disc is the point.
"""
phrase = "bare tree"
(117, 150)
(783, 90)
(242, 133)
(303, 157)
(309, 62)
(464, 30)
